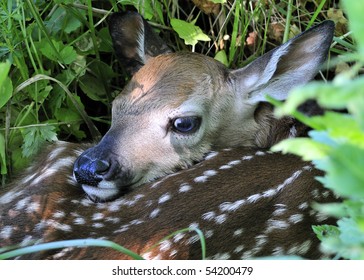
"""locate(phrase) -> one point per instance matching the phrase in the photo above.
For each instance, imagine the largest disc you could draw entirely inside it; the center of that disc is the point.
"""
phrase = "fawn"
(179, 109)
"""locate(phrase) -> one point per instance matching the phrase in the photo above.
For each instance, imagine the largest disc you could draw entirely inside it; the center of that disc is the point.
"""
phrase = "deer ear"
(293, 63)
(134, 40)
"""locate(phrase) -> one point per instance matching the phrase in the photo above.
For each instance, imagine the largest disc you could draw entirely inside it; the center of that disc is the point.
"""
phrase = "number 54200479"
(219, 270)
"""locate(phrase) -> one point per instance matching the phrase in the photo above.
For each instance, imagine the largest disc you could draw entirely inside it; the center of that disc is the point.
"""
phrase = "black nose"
(90, 171)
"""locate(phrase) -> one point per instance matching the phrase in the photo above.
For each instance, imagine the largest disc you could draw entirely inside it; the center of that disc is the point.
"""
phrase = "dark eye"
(186, 125)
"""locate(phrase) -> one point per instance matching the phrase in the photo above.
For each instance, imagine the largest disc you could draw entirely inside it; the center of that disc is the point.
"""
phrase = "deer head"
(178, 106)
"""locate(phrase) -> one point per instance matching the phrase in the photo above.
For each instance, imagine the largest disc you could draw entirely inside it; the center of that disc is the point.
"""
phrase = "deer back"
(248, 203)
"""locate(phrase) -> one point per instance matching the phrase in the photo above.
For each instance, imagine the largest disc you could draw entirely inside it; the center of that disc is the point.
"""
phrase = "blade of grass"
(197, 230)
(314, 17)
(81, 243)
(288, 21)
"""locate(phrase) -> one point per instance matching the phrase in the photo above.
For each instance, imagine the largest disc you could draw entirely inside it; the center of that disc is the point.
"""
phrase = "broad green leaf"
(334, 95)
(6, 85)
(324, 231)
(189, 32)
(62, 19)
(303, 147)
(355, 11)
(222, 57)
(344, 171)
(350, 232)
(67, 53)
(338, 127)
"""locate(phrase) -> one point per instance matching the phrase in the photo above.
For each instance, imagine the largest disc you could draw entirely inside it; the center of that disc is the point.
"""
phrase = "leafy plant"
(336, 145)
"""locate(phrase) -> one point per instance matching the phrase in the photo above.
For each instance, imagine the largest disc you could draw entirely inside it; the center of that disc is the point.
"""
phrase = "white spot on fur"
(224, 167)
(247, 255)
(165, 245)
(173, 253)
(303, 206)
(165, 197)
(97, 216)
(98, 225)
(59, 214)
(295, 218)
(115, 205)
(200, 179)
(278, 251)
(211, 155)
(320, 217)
(6, 232)
(79, 221)
(154, 213)
(238, 232)
(247, 157)
(210, 173)
(292, 132)
(62, 253)
(254, 198)
(315, 193)
(86, 202)
(27, 240)
(261, 240)
(234, 162)
(33, 207)
(220, 219)
(260, 153)
(276, 225)
(136, 222)
(184, 188)
(57, 225)
(209, 216)
(221, 256)
(209, 233)
(239, 249)
(21, 204)
(193, 239)
(113, 220)
(193, 226)
(178, 237)
(280, 209)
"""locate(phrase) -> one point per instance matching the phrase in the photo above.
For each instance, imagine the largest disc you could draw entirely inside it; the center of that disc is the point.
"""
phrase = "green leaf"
(303, 147)
(350, 232)
(344, 169)
(222, 57)
(66, 53)
(6, 85)
(355, 11)
(334, 95)
(62, 19)
(189, 32)
(325, 231)
(35, 137)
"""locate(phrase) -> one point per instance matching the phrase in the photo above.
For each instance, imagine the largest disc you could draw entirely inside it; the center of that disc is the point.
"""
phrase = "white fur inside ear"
(140, 42)
(271, 67)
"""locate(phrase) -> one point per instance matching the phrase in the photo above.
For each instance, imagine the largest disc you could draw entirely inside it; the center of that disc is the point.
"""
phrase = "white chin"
(100, 193)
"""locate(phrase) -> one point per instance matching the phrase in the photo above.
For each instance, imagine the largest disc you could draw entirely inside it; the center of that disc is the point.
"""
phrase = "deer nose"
(89, 171)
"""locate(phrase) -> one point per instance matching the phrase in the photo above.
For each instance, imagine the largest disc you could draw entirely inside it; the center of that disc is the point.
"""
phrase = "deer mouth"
(107, 190)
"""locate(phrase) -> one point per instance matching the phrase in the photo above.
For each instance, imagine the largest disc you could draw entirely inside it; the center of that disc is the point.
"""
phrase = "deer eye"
(186, 125)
